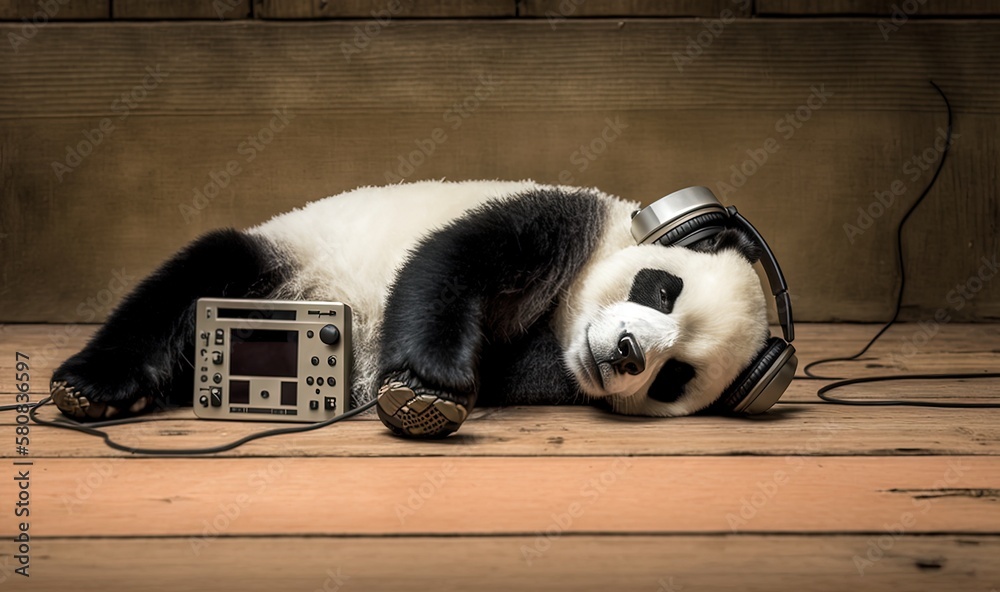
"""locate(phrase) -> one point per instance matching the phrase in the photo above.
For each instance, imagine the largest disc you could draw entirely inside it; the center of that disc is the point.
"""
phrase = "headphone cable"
(91, 428)
(840, 383)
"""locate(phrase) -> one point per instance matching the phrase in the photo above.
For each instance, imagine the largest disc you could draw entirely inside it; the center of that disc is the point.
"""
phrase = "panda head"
(663, 331)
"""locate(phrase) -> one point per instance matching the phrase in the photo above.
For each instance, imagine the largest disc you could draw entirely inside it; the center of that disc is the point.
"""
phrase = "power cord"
(822, 393)
(91, 428)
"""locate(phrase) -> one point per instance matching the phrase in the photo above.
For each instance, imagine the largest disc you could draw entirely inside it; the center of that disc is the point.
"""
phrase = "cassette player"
(272, 360)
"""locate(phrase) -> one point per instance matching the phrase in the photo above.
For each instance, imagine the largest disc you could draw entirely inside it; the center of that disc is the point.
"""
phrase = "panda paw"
(88, 390)
(410, 408)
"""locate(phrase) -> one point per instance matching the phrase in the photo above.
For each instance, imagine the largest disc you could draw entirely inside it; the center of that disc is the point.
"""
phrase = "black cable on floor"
(91, 428)
(822, 393)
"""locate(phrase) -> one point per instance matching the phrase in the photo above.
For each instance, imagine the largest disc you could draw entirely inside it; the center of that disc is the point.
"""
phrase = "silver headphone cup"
(668, 212)
(772, 385)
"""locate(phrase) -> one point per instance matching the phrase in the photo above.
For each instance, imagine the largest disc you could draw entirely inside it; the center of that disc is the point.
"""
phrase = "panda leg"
(484, 279)
(142, 353)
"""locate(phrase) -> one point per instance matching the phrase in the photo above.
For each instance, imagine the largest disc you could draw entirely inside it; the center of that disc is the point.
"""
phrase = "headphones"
(689, 216)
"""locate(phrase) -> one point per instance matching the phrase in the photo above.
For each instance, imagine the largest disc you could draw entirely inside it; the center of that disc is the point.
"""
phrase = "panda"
(463, 293)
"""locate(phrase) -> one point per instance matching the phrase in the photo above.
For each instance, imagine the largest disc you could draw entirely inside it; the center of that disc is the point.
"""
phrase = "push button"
(216, 394)
(220, 337)
(314, 405)
(203, 400)
(330, 403)
(216, 357)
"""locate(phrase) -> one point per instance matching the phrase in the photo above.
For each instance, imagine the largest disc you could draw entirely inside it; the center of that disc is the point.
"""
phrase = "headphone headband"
(652, 222)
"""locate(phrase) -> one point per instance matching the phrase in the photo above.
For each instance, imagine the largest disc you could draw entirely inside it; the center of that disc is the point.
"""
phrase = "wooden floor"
(807, 497)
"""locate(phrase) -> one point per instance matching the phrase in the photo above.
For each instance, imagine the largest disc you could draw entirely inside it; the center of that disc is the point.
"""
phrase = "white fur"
(349, 247)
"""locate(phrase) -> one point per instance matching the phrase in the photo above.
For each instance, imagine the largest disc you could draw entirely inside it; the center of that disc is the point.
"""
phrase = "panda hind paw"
(85, 390)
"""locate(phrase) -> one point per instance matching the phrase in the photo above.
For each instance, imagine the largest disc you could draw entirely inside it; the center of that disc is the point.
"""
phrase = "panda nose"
(628, 358)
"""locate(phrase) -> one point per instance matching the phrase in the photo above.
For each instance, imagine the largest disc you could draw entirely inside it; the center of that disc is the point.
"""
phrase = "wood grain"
(65, 10)
(580, 563)
(101, 217)
(788, 430)
(912, 347)
(638, 495)
(923, 8)
(181, 9)
(557, 10)
(542, 498)
(383, 9)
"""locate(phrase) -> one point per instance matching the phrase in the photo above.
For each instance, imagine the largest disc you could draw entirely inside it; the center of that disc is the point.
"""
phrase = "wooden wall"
(691, 98)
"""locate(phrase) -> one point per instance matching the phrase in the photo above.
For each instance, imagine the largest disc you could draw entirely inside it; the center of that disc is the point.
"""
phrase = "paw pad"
(407, 408)
(74, 404)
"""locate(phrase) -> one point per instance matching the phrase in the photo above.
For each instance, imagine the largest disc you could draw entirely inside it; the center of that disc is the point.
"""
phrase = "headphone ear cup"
(751, 375)
(697, 228)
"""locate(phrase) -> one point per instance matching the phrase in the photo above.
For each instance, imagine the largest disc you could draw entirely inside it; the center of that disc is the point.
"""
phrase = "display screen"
(263, 353)
(256, 313)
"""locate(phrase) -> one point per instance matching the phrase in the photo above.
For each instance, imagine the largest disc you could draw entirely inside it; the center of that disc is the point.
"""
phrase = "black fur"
(487, 279)
(656, 289)
(527, 371)
(731, 238)
(146, 345)
(670, 381)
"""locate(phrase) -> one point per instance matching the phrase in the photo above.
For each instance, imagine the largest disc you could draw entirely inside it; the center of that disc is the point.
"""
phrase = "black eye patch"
(670, 381)
(656, 289)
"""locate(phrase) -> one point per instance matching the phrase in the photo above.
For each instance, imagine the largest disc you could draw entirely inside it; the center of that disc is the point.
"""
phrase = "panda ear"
(734, 239)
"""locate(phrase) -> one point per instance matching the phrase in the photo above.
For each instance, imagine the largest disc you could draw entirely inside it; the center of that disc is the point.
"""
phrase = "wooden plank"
(639, 495)
(181, 9)
(41, 12)
(383, 9)
(908, 347)
(628, 68)
(730, 99)
(788, 430)
(558, 10)
(903, 10)
(38, 239)
(579, 563)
